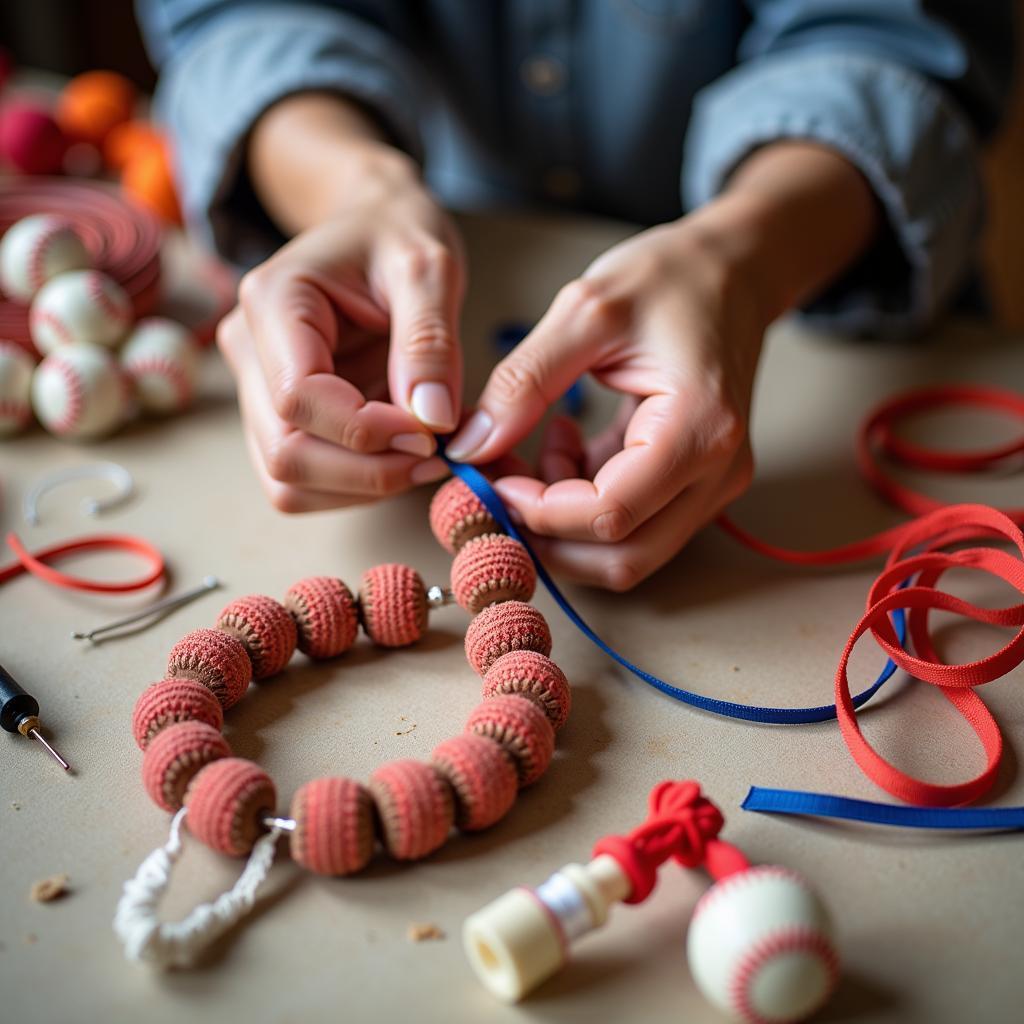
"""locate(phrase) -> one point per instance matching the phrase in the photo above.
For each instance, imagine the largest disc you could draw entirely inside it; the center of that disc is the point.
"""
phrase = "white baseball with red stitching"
(161, 357)
(760, 947)
(15, 386)
(79, 391)
(80, 306)
(35, 249)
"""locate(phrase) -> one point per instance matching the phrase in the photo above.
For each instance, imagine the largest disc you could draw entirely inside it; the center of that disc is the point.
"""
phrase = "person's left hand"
(665, 319)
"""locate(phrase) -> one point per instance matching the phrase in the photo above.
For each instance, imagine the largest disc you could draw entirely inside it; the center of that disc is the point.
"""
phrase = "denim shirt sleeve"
(866, 79)
(224, 64)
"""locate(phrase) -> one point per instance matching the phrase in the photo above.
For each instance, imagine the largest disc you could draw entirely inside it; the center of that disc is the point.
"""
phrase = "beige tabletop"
(929, 926)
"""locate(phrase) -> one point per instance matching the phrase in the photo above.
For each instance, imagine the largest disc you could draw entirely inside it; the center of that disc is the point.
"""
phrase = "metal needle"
(37, 735)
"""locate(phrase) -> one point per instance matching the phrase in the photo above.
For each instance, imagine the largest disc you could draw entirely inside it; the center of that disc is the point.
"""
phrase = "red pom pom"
(265, 628)
(333, 826)
(227, 802)
(482, 777)
(218, 661)
(326, 615)
(393, 605)
(175, 755)
(415, 805)
(457, 515)
(491, 569)
(30, 140)
(523, 730)
(511, 626)
(172, 701)
(534, 676)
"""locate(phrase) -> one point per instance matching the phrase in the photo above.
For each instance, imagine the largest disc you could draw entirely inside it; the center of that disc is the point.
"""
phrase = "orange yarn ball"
(416, 808)
(265, 628)
(533, 675)
(126, 141)
(481, 775)
(492, 568)
(500, 628)
(458, 515)
(175, 755)
(211, 657)
(149, 179)
(333, 826)
(326, 615)
(523, 730)
(171, 701)
(226, 804)
(94, 103)
(393, 605)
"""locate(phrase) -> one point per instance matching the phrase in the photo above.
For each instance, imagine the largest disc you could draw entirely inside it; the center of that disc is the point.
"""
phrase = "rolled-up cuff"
(903, 134)
(238, 67)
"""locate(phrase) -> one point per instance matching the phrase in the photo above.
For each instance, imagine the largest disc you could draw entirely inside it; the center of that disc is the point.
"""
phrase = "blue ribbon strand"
(482, 488)
(824, 805)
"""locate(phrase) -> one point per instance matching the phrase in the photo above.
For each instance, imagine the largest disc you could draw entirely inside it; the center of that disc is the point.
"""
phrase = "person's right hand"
(345, 349)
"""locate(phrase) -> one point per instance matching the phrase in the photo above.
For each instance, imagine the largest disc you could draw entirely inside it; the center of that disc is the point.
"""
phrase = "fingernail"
(472, 436)
(432, 405)
(413, 444)
(429, 471)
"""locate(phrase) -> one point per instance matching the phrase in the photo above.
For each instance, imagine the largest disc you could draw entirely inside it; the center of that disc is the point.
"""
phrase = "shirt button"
(543, 75)
(562, 182)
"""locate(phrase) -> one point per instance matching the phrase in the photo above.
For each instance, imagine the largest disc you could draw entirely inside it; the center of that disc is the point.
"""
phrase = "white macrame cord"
(178, 943)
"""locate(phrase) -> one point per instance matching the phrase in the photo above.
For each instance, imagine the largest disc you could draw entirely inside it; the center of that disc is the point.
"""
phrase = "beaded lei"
(335, 824)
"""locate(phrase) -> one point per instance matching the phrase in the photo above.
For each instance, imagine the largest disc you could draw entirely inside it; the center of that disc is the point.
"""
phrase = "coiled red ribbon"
(915, 553)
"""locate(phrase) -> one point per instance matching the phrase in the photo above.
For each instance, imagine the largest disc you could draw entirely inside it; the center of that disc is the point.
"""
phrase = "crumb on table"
(48, 889)
(423, 932)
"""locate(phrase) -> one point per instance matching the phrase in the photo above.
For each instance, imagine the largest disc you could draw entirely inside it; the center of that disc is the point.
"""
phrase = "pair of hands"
(346, 352)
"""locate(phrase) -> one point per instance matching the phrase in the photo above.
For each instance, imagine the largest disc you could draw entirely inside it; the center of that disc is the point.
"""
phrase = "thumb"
(425, 362)
(568, 340)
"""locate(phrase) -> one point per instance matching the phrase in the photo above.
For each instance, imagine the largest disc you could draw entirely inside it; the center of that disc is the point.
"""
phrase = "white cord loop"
(178, 943)
(124, 488)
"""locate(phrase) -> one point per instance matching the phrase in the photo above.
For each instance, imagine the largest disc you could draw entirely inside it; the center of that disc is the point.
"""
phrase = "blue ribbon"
(482, 488)
(823, 805)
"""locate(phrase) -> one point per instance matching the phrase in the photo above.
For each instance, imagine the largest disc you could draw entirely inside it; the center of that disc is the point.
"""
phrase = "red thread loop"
(681, 824)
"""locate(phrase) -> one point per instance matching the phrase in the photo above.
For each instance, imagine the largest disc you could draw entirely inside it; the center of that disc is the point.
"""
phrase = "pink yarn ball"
(500, 628)
(457, 515)
(532, 675)
(522, 729)
(415, 805)
(30, 140)
(215, 659)
(481, 775)
(226, 804)
(175, 755)
(326, 615)
(491, 569)
(333, 826)
(393, 605)
(266, 630)
(172, 701)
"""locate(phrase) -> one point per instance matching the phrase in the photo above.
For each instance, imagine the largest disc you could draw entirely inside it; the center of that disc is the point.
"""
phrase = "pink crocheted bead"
(393, 605)
(523, 730)
(415, 806)
(175, 755)
(265, 628)
(457, 515)
(218, 661)
(535, 676)
(333, 826)
(326, 615)
(490, 569)
(173, 700)
(481, 775)
(227, 802)
(510, 626)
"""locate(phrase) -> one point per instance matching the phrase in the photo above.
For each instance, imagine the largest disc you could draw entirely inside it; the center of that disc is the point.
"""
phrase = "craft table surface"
(929, 926)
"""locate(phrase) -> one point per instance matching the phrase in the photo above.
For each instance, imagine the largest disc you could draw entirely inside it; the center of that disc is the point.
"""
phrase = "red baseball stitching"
(94, 289)
(162, 366)
(794, 939)
(730, 882)
(75, 396)
(40, 317)
(37, 253)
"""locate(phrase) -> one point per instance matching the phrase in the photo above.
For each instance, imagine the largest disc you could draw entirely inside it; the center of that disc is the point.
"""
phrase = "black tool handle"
(15, 704)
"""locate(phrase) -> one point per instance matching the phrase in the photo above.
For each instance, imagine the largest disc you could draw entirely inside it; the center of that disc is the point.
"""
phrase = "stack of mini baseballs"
(99, 366)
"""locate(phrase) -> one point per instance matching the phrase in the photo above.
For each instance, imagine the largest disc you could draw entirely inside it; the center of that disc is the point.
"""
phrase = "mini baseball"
(15, 387)
(161, 357)
(79, 391)
(35, 249)
(80, 306)
(760, 947)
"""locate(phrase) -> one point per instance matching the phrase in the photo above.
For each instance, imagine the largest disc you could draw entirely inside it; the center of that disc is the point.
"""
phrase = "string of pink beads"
(408, 807)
